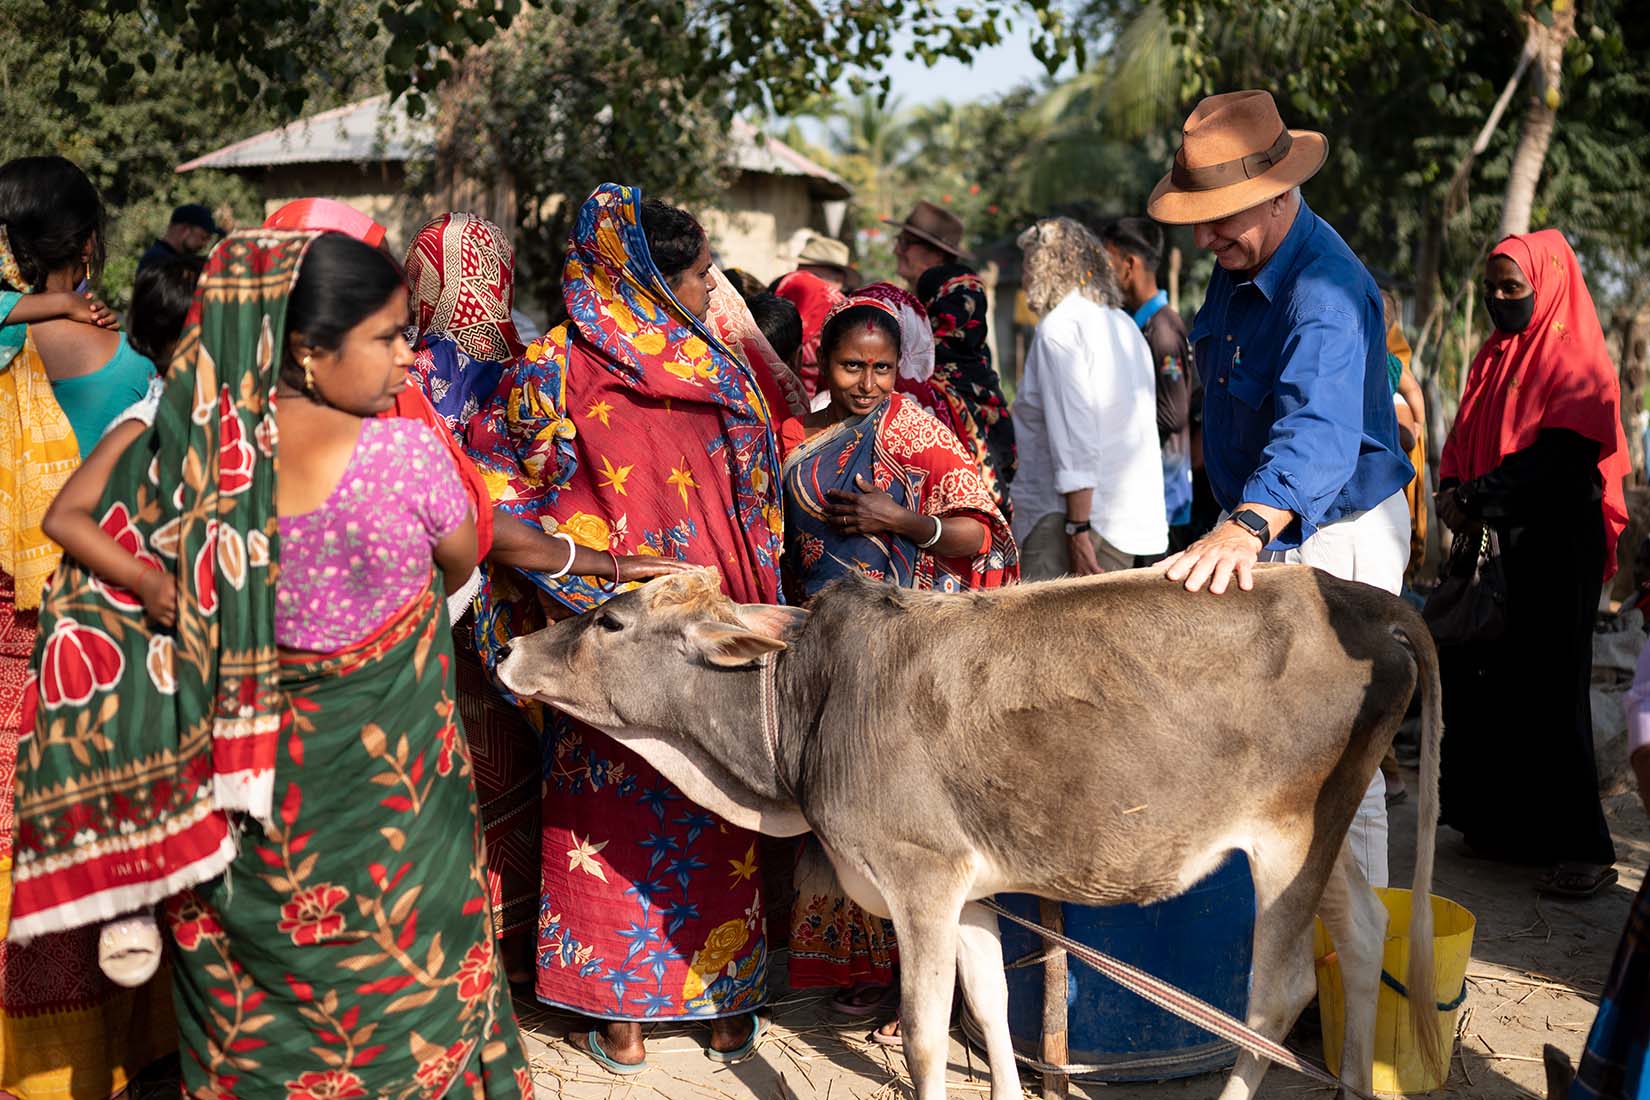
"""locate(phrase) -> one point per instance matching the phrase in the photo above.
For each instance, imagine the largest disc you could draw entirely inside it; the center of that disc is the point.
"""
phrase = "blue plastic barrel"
(1200, 941)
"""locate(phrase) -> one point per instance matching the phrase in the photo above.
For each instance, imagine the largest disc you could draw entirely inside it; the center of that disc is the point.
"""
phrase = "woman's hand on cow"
(641, 567)
(869, 511)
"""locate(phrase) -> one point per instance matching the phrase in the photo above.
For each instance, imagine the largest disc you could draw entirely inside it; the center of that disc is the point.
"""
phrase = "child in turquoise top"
(19, 311)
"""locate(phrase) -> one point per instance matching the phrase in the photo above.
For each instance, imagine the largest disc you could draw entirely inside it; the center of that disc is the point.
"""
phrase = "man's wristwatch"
(1250, 521)
(1077, 528)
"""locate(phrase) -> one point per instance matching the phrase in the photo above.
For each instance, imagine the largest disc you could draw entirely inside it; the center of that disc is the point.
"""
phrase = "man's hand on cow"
(1214, 558)
(1230, 548)
(1084, 561)
(869, 511)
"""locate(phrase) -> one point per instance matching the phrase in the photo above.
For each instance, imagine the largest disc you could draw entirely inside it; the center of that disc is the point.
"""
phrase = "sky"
(992, 72)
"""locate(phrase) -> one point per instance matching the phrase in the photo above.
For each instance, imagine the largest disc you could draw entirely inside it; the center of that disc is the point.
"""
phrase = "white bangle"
(572, 552)
(939, 531)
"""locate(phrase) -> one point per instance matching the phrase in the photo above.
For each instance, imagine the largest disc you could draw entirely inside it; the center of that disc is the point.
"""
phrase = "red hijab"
(1556, 373)
(813, 298)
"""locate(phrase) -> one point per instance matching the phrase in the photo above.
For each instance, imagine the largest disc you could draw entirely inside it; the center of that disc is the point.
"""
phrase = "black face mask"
(1511, 314)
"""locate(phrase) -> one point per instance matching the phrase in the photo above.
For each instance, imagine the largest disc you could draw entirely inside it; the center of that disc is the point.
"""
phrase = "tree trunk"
(1430, 256)
(1540, 117)
(1630, 328)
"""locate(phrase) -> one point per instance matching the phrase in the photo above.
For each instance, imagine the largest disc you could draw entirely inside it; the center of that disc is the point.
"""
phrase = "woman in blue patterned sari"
(875, 485)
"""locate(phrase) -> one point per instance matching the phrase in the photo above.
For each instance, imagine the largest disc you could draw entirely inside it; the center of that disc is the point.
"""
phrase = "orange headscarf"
(1556, 373)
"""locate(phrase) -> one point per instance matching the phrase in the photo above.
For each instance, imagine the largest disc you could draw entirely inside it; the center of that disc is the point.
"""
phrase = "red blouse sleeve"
(791, 436)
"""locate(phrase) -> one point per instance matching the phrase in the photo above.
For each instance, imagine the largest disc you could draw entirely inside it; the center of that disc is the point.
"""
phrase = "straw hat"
(1235, 153)
(817, 250)
(937, 226)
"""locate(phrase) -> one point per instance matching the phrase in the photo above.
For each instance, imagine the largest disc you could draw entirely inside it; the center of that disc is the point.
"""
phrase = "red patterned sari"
(651, 907)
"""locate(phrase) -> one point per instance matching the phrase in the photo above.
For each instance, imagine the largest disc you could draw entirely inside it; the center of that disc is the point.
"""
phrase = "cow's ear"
(731, 646)
(772, 621)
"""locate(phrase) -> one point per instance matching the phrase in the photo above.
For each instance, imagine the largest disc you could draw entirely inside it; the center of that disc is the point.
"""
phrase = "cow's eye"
(608, 622)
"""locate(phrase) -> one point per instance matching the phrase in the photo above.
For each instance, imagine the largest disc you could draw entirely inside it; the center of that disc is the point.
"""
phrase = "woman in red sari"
(874, 484)
(1537, 456)
(651, 907)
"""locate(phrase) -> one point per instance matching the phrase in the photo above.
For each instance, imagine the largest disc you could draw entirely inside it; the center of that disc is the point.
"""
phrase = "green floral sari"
(313, 823)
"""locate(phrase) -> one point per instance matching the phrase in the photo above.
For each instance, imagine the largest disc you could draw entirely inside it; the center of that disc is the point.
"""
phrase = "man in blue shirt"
(1300, 440)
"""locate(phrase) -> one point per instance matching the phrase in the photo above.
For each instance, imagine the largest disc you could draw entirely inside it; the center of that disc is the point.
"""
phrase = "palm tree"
(871, 137)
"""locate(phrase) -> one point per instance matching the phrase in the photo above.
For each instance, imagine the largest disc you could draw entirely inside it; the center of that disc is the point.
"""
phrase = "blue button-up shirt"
(1297, 409)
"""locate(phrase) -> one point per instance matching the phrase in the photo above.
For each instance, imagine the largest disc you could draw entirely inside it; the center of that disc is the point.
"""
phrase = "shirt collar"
(1148, 309)
(1282, 262)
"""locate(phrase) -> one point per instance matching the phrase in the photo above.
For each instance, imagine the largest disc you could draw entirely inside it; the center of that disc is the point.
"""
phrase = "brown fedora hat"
(937, 226)
(1235, 152)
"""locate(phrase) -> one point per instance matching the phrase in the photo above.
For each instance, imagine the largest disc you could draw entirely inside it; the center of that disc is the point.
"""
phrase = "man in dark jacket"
(191, 230)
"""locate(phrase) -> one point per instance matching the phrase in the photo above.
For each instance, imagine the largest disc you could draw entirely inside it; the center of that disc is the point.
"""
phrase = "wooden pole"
(1174, 278)
(1466, 342)
(1056, 1050)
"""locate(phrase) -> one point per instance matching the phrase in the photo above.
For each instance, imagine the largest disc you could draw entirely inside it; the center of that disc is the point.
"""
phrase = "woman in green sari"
(284, 765)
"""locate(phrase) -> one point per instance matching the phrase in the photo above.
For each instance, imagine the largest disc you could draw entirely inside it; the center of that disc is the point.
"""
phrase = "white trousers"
(1371, 547)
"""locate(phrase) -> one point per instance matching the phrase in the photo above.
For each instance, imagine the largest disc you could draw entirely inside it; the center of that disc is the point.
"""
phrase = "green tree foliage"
(130, 135)
(773, 55)
(276, 53)
(556, 106)
(1402, 88)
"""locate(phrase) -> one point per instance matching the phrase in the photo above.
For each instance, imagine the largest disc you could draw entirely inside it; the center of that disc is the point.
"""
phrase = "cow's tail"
(1423, 1013)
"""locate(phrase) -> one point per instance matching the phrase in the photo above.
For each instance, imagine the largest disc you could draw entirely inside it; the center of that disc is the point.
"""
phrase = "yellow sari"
(38, 452)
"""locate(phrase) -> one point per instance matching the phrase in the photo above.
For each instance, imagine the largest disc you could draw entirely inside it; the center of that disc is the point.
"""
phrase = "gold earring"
(309, 376)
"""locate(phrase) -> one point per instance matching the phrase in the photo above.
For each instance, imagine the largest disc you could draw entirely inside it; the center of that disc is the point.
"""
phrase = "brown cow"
(1098, 741)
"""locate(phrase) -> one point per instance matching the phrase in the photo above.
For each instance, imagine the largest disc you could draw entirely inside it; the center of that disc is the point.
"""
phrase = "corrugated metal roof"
(371, 130)
(773, 157)
(377, 130)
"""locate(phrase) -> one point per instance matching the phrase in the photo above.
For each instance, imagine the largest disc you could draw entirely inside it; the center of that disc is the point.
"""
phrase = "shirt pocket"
(1248, 422)
(1253, 391)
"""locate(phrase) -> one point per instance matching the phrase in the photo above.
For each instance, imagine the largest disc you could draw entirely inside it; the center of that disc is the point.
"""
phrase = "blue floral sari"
(904, 451)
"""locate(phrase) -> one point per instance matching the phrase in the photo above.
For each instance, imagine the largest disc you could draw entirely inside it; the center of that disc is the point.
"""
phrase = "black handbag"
(1470, 602)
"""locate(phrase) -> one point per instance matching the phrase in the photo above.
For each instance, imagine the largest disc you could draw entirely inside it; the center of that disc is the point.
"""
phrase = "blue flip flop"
(744, 1050)
(601, 1058)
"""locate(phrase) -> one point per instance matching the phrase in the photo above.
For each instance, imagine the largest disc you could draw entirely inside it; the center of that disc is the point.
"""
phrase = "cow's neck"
(724, 762)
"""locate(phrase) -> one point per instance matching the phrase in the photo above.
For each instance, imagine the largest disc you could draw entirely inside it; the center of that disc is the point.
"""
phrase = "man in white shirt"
(1088, 497)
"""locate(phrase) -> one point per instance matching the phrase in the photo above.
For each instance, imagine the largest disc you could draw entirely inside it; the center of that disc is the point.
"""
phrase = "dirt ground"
(1536, 972)
(1535, 976)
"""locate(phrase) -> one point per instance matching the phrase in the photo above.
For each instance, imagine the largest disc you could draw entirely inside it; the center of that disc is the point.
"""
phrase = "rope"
(1182, 1004)
(1169, 1063)
(1398, 987)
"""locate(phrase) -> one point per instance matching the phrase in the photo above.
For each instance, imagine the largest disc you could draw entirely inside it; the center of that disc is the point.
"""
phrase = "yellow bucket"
(1398, 1066)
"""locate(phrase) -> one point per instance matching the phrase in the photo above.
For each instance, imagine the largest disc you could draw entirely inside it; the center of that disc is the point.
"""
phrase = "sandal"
(892, 1039)
(862, 1000)
(1576, 881)
(744, 1050)
(596, 1054)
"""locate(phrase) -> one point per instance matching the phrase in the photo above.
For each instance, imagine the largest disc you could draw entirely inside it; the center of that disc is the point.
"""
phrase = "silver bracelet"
(572, 552)
(939, 531)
